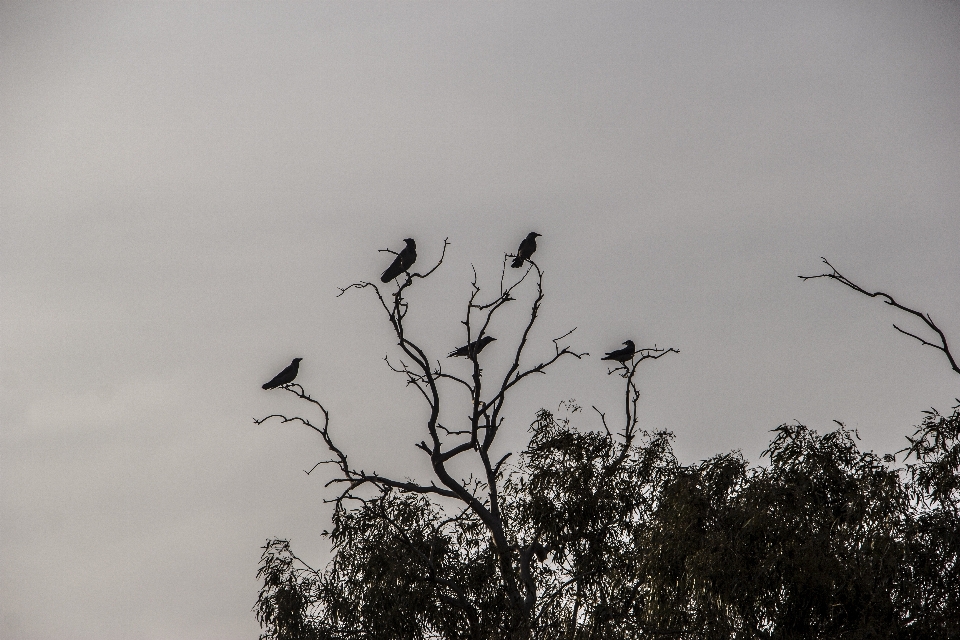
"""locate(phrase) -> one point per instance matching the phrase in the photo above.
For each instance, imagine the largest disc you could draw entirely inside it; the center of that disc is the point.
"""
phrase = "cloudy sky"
(184, 186)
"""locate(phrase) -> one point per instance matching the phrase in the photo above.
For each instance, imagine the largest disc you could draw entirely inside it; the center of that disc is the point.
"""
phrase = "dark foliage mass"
(825, 541)
(594, 534)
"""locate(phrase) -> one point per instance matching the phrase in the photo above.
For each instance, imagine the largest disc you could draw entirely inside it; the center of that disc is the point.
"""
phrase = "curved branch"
(443, 252)
(535, 369)
(888, 299)
(351, 476)
(360, 477)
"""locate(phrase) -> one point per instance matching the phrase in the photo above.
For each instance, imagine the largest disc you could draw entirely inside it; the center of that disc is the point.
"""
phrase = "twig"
(603, 419)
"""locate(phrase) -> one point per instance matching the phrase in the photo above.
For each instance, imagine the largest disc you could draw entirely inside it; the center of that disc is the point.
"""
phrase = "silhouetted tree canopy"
(605, 534)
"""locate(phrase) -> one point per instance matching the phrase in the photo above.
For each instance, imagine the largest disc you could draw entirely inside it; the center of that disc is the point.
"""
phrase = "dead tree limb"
(477, 498)
(888, 299)
(628, 371)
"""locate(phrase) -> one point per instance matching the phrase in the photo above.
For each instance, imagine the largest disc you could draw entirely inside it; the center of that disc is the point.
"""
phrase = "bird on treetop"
(286, 376)
(403, 261)
(527, 247)
(622, 355)
(472, 349)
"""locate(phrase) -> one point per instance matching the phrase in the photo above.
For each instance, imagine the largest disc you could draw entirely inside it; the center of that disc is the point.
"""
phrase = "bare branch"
(364, 285)
(603, 419)
(918, 338)
(461, 432)
(539, 368)
(360, 477)
(888, 299)
(350, 476)
(413, 378)
(322, 462)
(627, 371)
(425, 377)
(438, 373)
(495, 303)
(443, 252)
(513, 375)
(557, 340)
(496, 467)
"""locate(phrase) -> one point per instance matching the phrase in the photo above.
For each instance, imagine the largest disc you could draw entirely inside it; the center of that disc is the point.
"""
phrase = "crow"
(403, 261)
(472, 349)
(286, 376)
(527, 247)
(622, 355)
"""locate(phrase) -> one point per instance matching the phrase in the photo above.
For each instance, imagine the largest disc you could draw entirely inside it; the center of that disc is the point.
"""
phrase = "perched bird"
(286, 376)
(622, 355)
(527, 247)
(403, 261)
(472, 349)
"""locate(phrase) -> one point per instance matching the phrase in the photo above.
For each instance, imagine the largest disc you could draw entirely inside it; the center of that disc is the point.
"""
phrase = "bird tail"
(517, 262)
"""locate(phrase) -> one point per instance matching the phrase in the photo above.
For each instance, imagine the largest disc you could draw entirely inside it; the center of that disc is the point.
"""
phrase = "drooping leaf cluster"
(823, 540)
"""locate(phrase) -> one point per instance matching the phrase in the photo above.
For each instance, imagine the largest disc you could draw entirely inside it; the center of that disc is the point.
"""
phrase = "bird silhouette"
(286, 376)
(622, 355)
(527, 247)
(403, 261)
(472, 349)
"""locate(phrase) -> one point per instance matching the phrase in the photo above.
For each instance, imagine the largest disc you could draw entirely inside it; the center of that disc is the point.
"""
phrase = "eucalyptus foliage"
(822, 541)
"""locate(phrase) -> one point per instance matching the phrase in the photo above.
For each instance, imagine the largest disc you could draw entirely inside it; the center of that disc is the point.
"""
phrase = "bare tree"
(476, 497)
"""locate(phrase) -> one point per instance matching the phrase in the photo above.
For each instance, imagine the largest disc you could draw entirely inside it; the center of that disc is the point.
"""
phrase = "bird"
(286, 376)
(622, 355)
(472, 349)
(527, 247)
(403, 261)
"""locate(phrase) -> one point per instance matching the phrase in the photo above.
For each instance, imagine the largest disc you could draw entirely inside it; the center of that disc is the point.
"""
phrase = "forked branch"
(352, 477)
(628, 371)
(888, 299)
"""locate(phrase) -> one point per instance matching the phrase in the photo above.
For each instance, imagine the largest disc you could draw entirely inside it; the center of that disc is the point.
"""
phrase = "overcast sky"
(184, 186)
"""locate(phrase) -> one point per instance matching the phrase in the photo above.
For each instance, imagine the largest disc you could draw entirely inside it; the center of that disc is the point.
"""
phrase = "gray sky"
(184, 186)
